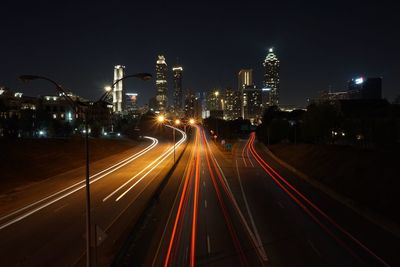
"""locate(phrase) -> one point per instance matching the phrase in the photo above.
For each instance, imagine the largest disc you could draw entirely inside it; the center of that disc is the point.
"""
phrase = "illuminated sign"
(359, 80)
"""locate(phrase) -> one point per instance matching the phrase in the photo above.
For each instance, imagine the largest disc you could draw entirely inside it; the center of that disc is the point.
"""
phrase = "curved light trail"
(312, 209)
(22, 213)
(149, 167)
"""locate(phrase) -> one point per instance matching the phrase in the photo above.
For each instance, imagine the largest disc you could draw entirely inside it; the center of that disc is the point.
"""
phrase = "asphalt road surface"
(44, 225)
(242, 208)
(217, 208)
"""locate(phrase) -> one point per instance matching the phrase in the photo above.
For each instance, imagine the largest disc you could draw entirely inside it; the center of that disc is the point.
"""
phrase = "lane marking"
(260, 249)
(60, 208)
(208, 244)
(314, 248)
(253, 224)
(205, 203)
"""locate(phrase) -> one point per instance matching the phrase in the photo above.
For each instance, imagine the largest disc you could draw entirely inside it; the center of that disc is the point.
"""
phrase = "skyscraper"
(161, 84)
(233, 109)
(245, 79)
(118, 91)
(178, 94)
(271, 78)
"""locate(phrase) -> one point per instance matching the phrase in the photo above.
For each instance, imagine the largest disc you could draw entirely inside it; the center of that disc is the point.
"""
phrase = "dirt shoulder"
(31, 160)
(369, 177)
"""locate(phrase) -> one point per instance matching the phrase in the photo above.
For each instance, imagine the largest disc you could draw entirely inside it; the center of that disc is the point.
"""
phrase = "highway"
(44, 225)
(242, 208)
(216, 208)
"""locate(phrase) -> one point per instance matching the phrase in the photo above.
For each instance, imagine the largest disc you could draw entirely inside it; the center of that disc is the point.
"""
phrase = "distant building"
(38, 114)
(153, 104)
(233, 107)
(192, 105)
(265, 97)
(178, 93)
(161, 84)
(118, 91)
(358, 89)
(361, 88)
(245, 79)
(271, 78)
(252, 104)
(131, 102)
(14, 104)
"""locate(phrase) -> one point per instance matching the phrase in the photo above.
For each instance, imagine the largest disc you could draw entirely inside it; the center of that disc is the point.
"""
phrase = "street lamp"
(176, 122)
(78, 106)
(161, 118)
(142, 76)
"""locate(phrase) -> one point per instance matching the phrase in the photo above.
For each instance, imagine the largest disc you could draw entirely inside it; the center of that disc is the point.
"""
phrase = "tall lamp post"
(78, 106)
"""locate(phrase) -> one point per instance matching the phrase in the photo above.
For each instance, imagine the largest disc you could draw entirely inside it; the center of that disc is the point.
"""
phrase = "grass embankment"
(369, 177)
(30, 160)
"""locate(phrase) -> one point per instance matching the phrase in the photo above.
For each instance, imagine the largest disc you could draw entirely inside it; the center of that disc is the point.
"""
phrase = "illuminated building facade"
(271, 78)
(131, 101)
(233, 108)
(161, 84)
(178, 93)
(118, 91)
(215, 104)
(254, 106)
(245, 79)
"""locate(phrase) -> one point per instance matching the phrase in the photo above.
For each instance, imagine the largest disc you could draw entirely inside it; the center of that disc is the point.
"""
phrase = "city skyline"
(316, 57)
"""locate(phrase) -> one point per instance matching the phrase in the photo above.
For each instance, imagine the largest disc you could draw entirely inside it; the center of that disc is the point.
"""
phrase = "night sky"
(320, 44)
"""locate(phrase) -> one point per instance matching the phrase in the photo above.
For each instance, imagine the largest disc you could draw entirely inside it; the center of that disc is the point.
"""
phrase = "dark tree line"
(364, 123)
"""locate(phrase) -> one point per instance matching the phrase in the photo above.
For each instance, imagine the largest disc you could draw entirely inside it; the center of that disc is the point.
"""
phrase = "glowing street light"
(161, 118)
(141, 76)
(177, 122)
(191, 121)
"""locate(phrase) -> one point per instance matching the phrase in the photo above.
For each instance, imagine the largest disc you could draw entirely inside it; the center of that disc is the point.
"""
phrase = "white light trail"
(75, 187)
(156, 163)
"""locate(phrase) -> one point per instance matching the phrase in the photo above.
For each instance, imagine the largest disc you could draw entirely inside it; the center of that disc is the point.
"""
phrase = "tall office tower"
(245, 79)
(233, 109)
(118, 92)
(271, 78)
(161, 84)
(178, 94)
(189, 106)
(254, 104)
